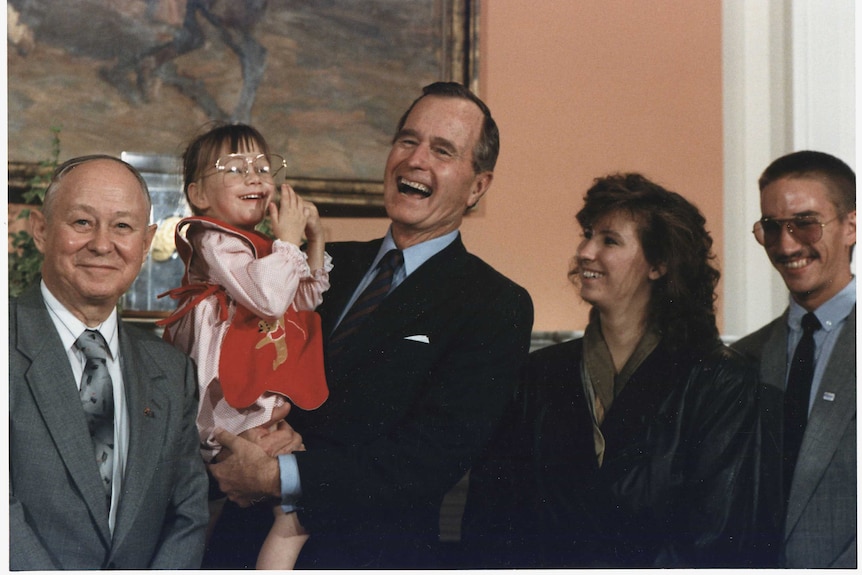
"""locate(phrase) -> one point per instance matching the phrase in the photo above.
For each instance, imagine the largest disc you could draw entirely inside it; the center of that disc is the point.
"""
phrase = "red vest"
(257, 355)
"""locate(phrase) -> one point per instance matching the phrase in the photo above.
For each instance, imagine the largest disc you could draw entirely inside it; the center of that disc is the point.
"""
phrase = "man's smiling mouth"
(409, 187)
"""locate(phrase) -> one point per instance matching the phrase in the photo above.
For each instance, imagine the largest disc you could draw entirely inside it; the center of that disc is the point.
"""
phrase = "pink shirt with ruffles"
(265, 286)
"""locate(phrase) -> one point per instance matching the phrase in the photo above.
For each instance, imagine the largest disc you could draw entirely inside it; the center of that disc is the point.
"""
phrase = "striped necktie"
(368, 301)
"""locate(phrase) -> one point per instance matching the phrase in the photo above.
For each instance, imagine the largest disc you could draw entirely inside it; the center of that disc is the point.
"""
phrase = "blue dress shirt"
(832, 316)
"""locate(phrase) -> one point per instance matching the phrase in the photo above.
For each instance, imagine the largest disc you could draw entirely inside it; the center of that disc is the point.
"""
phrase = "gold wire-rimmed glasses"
(270, 168)
(804, 229)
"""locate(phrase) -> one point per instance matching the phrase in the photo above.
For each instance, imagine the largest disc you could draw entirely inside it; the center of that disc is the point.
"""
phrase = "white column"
(824, 78)
(789, 84)
(754, 125)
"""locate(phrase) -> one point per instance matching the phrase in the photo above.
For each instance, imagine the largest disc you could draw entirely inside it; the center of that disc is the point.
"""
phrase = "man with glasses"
(808, 228)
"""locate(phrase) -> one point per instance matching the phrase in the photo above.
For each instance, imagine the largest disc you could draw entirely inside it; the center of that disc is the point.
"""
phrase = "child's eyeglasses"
(270, 168)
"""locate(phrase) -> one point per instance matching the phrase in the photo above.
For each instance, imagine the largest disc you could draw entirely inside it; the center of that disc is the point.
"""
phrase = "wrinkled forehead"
(99, 178)
(456, 119)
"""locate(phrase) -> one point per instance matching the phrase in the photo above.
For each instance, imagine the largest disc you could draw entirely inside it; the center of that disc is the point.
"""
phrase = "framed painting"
(324, 80)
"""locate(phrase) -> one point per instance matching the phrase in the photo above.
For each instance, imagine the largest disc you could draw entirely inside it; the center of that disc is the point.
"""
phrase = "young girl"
(245, 312)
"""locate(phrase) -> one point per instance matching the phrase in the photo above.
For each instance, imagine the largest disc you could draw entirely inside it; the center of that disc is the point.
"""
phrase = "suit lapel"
(435, 282)
(827, 421)
(636, 405)
(431, 282)
(147, 409)
(350, 265)
(56, 394)
(773, 361)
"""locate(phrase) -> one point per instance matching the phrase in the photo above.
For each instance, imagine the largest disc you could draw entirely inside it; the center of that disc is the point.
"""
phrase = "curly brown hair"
(673, 235)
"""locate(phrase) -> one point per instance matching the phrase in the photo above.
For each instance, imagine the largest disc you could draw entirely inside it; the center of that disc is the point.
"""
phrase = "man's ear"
(38, 228)
(480, 185)
(149, 234)
(850, 235)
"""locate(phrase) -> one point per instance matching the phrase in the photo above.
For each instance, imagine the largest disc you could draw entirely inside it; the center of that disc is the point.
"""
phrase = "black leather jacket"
(679, 482)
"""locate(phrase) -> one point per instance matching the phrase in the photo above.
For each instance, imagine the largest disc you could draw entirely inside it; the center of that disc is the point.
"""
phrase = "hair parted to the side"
(63, 169)
(488, 147)
(672, 233)
(203, 151)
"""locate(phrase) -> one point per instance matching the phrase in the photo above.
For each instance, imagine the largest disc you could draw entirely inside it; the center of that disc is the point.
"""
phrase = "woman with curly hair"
(637, 444)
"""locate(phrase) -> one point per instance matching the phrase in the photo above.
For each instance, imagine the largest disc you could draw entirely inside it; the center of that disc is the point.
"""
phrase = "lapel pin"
(828, 396)
(149, 412)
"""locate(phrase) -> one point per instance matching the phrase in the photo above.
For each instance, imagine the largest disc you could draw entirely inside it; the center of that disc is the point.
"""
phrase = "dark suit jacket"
(57, 517)
(677, 486)
(820, 522)
(405, 419)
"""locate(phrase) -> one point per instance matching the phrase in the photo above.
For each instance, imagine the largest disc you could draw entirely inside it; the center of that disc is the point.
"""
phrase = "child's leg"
(283, 543)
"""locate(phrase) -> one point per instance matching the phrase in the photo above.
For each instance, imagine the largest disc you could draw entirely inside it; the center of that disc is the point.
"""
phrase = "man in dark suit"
(808, 228)
(418, 385)
(136, 500)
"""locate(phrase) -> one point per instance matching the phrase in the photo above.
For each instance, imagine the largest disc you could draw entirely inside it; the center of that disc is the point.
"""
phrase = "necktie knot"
(391, 260)
(810, 323)
(369, 299)
(92, 344)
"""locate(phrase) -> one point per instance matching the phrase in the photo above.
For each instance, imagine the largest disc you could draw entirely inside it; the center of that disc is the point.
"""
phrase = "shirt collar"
(415, 256)
(831, 313)
(70, 327)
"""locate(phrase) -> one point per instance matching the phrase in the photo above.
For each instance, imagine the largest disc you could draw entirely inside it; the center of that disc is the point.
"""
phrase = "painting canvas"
(324, 80)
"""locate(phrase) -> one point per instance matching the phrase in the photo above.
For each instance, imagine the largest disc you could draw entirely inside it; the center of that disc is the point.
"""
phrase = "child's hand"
(313, 227)
(288, 220)
(315, 236)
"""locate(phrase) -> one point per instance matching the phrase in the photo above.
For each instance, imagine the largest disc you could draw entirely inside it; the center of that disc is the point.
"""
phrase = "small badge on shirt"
(828, 396)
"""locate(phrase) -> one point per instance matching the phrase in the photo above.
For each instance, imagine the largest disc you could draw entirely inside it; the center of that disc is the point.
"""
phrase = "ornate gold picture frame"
(324, 81)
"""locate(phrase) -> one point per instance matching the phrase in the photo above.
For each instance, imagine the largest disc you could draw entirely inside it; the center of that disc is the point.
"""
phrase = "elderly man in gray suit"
(104, 469)
(808, 228)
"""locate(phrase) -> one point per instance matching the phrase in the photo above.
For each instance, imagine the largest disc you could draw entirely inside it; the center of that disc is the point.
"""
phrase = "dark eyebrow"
(608, 232)
(406, 132)
(435, 140)
(444, 143)
(804, 214)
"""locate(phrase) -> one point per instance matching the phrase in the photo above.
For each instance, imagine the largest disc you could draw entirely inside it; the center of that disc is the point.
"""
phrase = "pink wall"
(581, 88)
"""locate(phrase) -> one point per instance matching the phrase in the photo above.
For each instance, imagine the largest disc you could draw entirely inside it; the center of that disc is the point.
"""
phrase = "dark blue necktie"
(368, 301)
(97, 399)
(796, 397)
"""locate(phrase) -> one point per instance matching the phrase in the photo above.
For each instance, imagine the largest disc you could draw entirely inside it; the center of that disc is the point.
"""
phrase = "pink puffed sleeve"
(267, 285)
(309, 295)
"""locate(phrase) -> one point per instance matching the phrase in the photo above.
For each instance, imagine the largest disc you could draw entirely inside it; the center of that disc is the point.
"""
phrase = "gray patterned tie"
(97, 398)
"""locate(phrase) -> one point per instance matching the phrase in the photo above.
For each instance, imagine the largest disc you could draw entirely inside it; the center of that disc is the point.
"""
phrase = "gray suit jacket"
(57, 517)
(820, 521)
